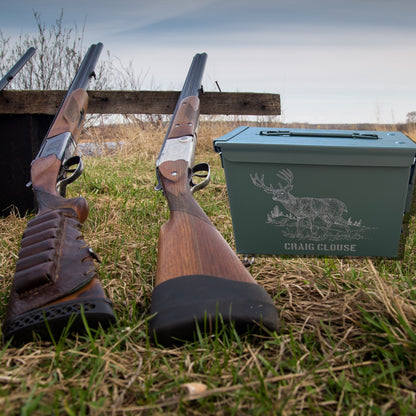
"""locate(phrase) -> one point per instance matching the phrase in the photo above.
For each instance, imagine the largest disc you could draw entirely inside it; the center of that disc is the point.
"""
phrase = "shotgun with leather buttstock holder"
(200, 281)
(56, 282)
(16, 68)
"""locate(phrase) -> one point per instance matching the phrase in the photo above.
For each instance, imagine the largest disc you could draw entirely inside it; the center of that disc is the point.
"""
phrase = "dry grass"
(347, 343)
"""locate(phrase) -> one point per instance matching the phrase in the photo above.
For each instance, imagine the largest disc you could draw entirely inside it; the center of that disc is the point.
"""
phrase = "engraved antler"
(287, 176)
(259, 182)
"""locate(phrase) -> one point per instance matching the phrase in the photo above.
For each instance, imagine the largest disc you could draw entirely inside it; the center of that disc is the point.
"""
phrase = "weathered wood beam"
(141, 102)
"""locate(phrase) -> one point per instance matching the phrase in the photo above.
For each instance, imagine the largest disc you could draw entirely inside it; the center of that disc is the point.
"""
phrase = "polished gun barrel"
(192, 83)
(87, 68)
(16, 68)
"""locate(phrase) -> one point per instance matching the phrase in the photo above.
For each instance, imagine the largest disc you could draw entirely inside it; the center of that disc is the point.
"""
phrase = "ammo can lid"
(316, 146)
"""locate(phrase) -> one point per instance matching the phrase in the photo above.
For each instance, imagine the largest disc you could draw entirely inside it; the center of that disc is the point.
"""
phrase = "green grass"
(347, 344)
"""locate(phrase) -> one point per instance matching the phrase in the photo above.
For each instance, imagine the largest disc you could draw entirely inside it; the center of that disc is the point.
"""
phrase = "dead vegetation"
(347, 343)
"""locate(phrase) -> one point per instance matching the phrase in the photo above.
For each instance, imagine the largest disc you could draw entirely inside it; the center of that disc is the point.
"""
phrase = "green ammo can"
(318, 192)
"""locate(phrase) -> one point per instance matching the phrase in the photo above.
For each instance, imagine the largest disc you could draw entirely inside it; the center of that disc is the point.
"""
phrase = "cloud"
(131, 15)
(356, 54)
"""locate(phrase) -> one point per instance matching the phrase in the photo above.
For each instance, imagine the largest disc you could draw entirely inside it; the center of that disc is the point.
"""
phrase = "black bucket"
(20, 139)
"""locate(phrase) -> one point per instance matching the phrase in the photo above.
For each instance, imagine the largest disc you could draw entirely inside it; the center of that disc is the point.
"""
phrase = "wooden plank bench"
(25, 117)
(141, 102)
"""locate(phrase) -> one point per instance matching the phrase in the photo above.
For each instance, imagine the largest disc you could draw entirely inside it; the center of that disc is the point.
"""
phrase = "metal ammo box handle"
(354, 135)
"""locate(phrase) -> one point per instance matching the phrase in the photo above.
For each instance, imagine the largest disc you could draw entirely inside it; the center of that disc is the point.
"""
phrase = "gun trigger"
(200, 167)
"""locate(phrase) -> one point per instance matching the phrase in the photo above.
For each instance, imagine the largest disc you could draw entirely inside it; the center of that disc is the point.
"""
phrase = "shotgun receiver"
(16, 68)
(55, 282)
(200, 281)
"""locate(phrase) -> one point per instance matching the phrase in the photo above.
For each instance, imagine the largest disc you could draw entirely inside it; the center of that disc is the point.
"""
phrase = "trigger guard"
(64, 181)
(200, 167)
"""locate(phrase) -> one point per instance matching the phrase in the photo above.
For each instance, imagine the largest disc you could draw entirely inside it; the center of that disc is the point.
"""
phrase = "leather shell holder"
(54, 262)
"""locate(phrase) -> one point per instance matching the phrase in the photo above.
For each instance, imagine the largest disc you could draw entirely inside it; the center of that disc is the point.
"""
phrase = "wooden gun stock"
(189, 244)
(200, 282)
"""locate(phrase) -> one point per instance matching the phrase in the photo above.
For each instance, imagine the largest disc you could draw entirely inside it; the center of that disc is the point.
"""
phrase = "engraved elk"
(306, 210)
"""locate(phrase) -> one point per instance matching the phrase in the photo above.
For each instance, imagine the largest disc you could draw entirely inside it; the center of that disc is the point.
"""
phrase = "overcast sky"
(332, 61)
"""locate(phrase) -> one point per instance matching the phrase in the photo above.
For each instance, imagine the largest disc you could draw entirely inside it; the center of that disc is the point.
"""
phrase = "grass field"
(347, 344)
